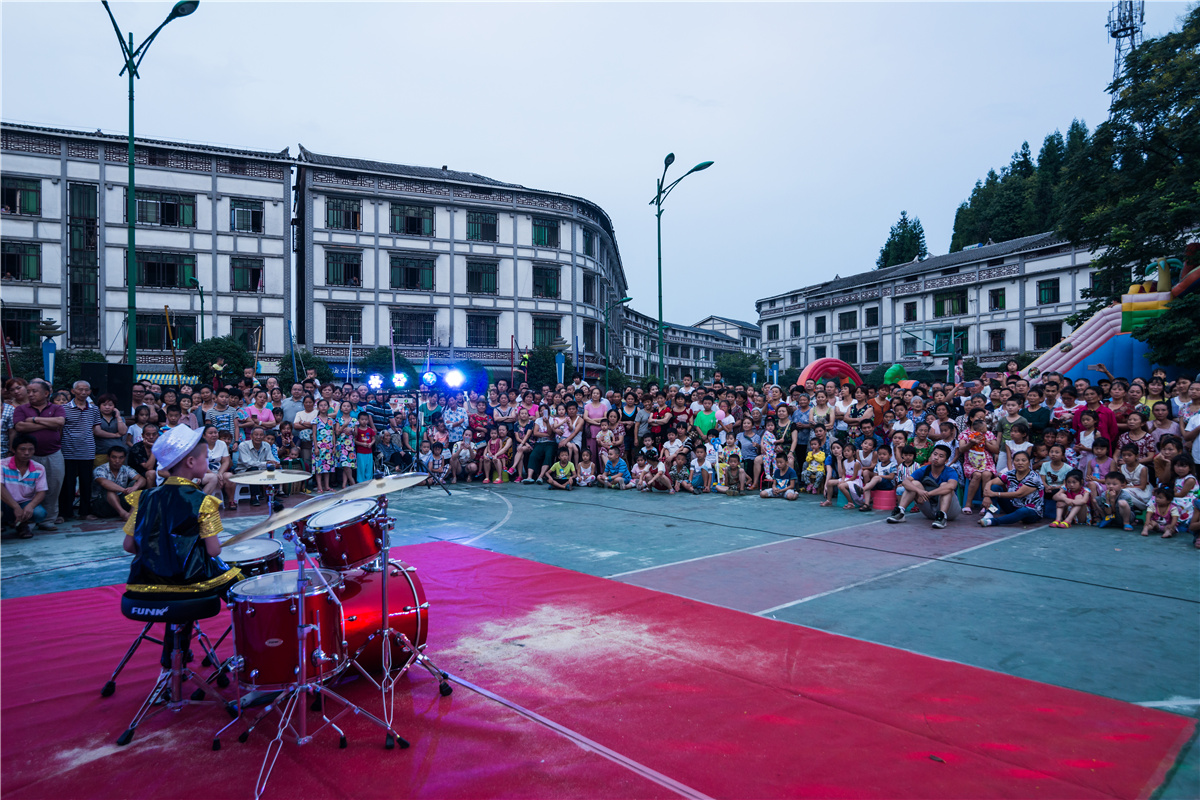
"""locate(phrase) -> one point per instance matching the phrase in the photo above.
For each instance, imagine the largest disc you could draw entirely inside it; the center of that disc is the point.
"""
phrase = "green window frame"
(848, 321)
(996, 299)
(589, 289)
(411, 274)
(20, 325)
(159, 270)
(245, 216)
(343, 325)
(246, 274)
(546, 330)
(481, 330)
(481, 226)
(481, 277)
(1047, 334)
(910, 312)
(545, 232)
(589, 243)
(411, 220)
(22, 261)
(342, 268)
(1048, 291)
(411, 327)
(151, 331)
(82, 224)
(245, 330)
(545, 282)
(343, 213)
(589, 337)
(22, 196)
(950, 304)
(165, 209)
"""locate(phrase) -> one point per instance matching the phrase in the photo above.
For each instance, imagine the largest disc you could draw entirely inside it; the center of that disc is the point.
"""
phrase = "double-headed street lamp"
(608, 308)
(133, 59)
(663, 191)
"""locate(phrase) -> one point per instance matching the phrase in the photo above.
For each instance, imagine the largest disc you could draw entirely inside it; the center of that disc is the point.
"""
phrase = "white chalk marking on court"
(928, 560)
(498, 525)
(1174, 702)
(740, 549)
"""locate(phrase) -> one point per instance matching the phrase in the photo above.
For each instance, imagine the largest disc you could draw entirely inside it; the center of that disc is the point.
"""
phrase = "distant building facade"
(690, 350)
(211, 216)
(988, 302)
(748, 333)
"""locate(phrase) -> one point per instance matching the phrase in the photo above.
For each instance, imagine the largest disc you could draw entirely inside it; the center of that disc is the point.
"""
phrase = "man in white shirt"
(255, 454)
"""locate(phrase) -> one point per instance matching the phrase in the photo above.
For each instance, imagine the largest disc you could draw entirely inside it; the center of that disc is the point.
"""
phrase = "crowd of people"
(1113, 452)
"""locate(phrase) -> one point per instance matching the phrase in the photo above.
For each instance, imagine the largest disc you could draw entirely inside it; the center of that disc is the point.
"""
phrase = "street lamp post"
(663, 191)
(194, 282)
(133, 60)
(607, 309)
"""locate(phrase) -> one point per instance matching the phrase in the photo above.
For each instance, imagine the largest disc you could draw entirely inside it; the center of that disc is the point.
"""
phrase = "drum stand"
(387, 683)
(288, 702)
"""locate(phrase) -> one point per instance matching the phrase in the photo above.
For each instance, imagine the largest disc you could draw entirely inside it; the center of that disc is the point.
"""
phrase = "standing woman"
(346, 426)
(594, 410)
(522, 437)
(1138, 438)
(324, 444)
(821, 413)
(628, 418)
(302, 425)
(109, 429)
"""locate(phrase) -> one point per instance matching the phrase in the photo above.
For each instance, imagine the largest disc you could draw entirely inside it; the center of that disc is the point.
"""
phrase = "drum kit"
(347, 609)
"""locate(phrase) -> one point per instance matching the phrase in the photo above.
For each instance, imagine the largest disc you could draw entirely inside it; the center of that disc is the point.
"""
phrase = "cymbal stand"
(387, 683)
(291, 724)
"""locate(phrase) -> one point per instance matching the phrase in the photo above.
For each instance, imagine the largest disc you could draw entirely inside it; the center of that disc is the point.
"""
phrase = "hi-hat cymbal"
(284, 518)
(378, 486)
(266, 477)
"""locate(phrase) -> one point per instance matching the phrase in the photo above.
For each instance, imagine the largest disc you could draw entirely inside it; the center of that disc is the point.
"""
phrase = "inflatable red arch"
(826, 368)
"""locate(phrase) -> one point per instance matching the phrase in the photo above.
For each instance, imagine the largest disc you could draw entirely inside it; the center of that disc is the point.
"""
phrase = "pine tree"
(905, 242)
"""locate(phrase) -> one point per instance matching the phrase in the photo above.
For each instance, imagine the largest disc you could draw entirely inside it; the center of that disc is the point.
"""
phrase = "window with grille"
(343, 325)
(248, 331)
(1047, 291)
(797, 329)
(772, 333)
(819, 352)
(412, 220)
(481, 226)
(343, 213)
(22, 261)
(871, 317)
(589, 289)
(589, 243)
(819, 325)
(871, 352)
(152, 331)
(545, 232)
(797, 356)
(411, 274)
(673, 351)
(545, 282)
(545, 331)
(481, 331)
(481, 277)
(167, 209)
(20, 325)
(996, 341)
(910, 312)
(589, 337)
(82, 224)
(165, 270)
(246, 274)
(1047, 334)
(246, 216)
(848, 352)
(950, 304)
(909, 345)
(343, 268)
(995, 299)
(848, 320)
(411, 327)
(22, 196)
(83, 300)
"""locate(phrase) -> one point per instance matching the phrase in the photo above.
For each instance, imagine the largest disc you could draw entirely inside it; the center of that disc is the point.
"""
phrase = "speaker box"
(114, 379)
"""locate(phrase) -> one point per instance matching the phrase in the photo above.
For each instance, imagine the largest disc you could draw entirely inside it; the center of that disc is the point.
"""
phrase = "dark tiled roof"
(705, 331)
(429, 173)
(740, 322)
(931, 264)
(283, 154)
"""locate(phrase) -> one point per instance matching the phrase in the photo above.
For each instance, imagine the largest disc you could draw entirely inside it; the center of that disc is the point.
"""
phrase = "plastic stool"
(883, 500)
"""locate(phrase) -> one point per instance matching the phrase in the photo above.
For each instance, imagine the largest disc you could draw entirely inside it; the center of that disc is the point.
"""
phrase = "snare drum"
(255, 556)
(362, 604)
(347, 535)
(265, 618)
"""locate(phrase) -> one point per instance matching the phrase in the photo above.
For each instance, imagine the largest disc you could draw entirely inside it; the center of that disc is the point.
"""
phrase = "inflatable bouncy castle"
(827, 368)
(1107, 338)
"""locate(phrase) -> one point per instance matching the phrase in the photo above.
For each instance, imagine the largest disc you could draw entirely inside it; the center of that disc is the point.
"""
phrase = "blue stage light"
(375, 382)
(454, 379)
(400, 380)
(429, 378)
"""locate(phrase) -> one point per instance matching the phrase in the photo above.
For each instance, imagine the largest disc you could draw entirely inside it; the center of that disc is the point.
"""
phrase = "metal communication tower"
(1125, 21)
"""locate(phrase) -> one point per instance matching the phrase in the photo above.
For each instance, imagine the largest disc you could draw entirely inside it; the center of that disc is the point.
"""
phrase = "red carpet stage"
(609, 690)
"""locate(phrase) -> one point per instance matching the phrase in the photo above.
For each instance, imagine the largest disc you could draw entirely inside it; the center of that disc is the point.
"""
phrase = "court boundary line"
(862, 524)
(928, 560)
(497, 526)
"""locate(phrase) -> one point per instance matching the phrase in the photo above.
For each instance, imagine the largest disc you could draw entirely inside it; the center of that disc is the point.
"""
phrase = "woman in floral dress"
(347, 426)
(324, 437)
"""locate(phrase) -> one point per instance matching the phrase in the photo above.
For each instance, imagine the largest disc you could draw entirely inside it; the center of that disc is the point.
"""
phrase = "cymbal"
(378, 486)
(284, 518)
(266, 477)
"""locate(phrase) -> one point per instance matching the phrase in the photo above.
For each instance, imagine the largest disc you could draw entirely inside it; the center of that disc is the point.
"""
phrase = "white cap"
(173, 447)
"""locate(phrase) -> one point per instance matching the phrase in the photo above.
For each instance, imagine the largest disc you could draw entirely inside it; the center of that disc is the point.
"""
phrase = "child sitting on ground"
(701, 476)
(1163, 516)
(783, 480)
(679, 475)
(438, 466)
(656, 476)
(1070, 500)
(562, 474)
(587, 470)
(813, 474)
(883, 476)
(639, 472)
(1115, 501)
(835, 470)
(616, 473)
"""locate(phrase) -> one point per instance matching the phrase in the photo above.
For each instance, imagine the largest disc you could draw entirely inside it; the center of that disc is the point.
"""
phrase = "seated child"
(586, 474)
(782, 481)
(1163, 516)
(562, 473)
(1070, 500)
(616, 473)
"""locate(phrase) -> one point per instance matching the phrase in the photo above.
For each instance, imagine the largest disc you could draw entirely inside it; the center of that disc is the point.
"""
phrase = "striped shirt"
(24, 487)
(78, 438)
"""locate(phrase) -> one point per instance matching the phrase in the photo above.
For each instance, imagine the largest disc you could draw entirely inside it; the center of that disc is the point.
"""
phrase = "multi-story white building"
(461, 264)
(210, 220)
(747, 333)
(691, 350)
(991, 302)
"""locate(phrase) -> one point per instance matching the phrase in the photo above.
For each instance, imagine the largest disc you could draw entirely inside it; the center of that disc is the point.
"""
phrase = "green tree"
(1174, 337)
(200, 357)
(738, 368)
(1133, 190)
(905, 242)
(26, 363)
(542, 370)
(305, 361)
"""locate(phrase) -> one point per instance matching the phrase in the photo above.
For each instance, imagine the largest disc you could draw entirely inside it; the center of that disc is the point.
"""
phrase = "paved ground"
(1102, 611)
